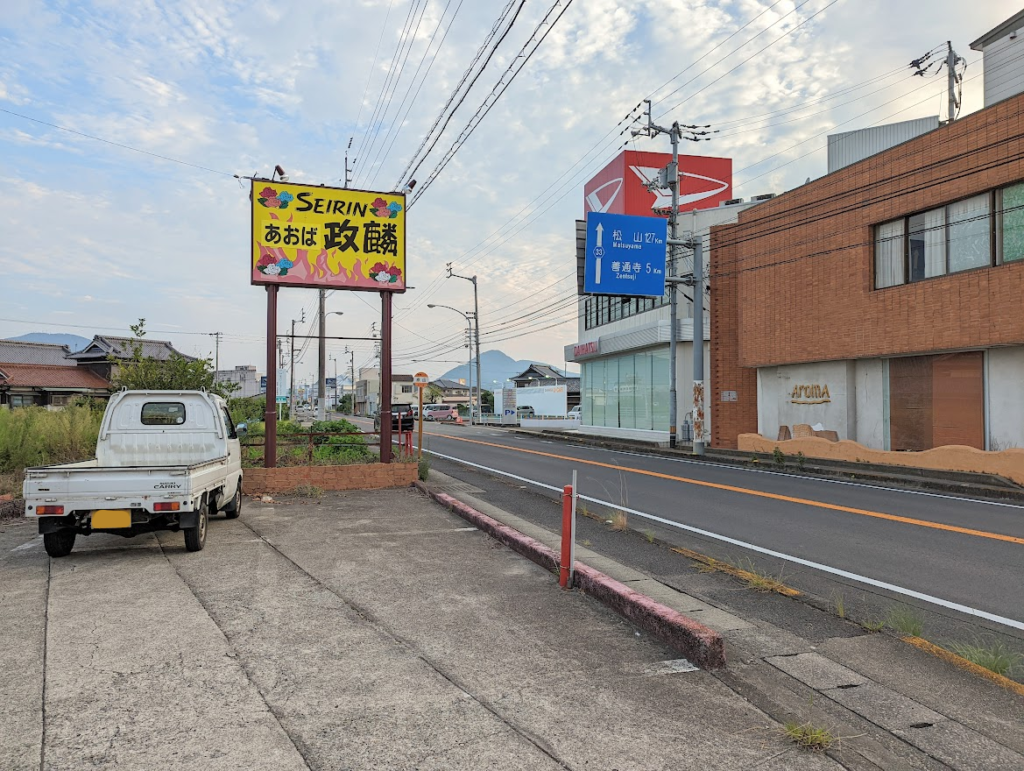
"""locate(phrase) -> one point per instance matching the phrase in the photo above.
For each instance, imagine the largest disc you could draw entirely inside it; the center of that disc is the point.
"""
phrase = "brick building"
(882, 301)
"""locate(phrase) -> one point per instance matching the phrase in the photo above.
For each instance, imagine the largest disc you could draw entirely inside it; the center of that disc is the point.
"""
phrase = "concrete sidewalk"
(363, 630)
(892, 704)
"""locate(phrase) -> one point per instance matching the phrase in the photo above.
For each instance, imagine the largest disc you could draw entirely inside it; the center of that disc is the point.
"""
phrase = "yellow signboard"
(327, 237)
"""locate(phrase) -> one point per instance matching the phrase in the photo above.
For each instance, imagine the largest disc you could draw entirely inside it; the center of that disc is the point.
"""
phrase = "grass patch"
(619, 521)
(905, 620)
(759, 580)
(746, 571)
(839, 604)
(874, 626)
(995, 657)
(34, 436)
(649, 535)
(423, 469)
(809, 737)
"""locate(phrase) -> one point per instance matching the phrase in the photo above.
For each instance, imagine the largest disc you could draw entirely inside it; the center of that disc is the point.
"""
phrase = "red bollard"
(563, 574)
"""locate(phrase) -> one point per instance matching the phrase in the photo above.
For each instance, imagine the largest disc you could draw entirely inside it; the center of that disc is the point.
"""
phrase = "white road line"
(1015, 624)
(34, 542)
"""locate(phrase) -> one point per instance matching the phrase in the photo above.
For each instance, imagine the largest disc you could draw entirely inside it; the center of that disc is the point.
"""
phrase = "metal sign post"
(420, 380)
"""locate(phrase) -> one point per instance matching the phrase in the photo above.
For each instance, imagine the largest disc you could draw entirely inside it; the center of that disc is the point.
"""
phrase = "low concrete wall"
(1007, 463)
(368, 476)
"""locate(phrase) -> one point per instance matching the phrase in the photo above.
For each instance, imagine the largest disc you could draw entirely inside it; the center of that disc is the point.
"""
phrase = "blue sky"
(96, 235)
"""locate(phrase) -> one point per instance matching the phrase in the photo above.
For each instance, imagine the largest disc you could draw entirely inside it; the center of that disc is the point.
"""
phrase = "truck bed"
(86, 485)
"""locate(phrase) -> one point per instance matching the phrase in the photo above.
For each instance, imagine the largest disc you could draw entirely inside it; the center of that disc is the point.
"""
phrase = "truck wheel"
(234, 509)
(195, 537)
(59, 544)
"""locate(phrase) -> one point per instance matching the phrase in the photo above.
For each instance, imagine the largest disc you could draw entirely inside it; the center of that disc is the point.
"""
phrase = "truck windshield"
(163, 414)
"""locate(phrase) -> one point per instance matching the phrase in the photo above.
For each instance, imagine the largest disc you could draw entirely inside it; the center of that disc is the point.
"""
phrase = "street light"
(469, 366)
(321, 388)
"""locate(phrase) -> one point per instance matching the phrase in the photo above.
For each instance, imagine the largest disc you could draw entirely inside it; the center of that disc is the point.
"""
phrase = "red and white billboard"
(619, 188)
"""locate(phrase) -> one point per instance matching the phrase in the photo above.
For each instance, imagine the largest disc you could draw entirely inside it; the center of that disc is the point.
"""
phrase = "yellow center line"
(747, 491)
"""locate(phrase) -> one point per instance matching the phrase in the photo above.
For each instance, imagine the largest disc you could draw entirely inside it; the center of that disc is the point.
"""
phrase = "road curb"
(701, 645)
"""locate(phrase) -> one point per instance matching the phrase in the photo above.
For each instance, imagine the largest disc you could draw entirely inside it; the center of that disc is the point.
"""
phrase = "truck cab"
(165, 460)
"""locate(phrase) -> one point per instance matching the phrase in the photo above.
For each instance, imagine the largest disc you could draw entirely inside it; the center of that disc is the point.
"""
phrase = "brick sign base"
(370, 476)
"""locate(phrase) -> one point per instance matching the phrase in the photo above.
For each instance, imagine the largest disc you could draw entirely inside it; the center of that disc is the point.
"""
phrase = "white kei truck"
(165, 460)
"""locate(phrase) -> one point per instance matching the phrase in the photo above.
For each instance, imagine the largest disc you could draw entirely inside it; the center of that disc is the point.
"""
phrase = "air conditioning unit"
(731, 201)
(764, 197)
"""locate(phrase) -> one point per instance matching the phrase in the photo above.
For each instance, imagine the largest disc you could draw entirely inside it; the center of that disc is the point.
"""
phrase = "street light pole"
(476, 316)
(469, 365)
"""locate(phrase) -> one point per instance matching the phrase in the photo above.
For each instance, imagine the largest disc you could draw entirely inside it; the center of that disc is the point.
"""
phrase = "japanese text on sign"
(304, 235)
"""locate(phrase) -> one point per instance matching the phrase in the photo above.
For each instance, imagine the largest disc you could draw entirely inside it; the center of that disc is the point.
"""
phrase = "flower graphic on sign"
(385, 273)
(382, 208)
(271, 199)
(272, 265)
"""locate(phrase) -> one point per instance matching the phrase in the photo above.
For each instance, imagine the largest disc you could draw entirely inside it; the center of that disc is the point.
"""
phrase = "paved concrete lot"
(363, 630)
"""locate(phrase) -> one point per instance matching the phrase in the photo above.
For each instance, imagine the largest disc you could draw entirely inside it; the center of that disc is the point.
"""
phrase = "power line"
(400, 123)
(387, 80)
(117, 144)
(495, 28)
(518, 63)
(367, 168)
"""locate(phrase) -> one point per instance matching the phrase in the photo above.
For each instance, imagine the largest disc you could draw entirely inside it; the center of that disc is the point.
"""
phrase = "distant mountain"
(494, 366)
(74, 342)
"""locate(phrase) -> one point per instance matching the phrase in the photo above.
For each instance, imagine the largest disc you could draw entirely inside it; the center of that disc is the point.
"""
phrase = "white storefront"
(856, 400)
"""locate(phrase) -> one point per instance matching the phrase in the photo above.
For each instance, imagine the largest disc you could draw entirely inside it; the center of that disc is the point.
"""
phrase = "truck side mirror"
(241, 429)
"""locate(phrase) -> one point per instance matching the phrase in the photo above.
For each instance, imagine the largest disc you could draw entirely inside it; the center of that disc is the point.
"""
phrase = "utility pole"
(291, 389)
(476, 316)
(352, 377)
(671, 180)
(348, 171)
(216, 355)
(321, 385)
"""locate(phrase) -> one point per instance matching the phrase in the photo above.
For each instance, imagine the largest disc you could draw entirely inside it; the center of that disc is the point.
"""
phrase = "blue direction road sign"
(263, 384)
(625, 255)
(330, 382)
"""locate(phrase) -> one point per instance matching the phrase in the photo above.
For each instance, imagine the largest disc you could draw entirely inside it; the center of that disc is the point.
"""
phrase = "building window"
(969, 234)
(1011, 223)
(21, 400)
(889, 254)
(927, 244)
(953, 238)
(406, 389)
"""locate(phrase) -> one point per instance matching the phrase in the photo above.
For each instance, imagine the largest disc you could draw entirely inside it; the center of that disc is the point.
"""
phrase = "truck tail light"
(175, 506)
(58, 510)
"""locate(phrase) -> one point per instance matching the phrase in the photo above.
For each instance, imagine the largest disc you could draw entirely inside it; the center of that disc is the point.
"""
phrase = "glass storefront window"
(628, 391)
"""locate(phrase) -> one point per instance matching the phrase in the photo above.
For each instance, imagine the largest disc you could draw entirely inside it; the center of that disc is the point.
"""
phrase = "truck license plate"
(111, 519)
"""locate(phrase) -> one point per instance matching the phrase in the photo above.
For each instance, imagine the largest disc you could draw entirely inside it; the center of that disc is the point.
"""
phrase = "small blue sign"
(625, 255)
(330, 382)
(263, 384)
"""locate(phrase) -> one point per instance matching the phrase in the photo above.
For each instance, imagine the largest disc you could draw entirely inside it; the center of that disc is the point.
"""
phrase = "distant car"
(524, 412)
(576, 413)
(401, 418)
(439, 412)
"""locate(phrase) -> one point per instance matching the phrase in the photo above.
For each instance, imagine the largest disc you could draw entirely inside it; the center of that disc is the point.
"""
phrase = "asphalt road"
(960, 551)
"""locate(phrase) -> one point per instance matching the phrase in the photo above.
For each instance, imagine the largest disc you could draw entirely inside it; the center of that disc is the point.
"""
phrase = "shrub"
(34, 436)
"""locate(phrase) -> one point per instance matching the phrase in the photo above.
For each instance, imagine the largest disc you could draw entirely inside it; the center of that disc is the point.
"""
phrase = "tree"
(487, 397)
(144, 373)
(432, 394)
